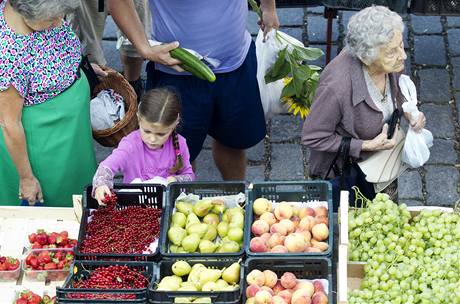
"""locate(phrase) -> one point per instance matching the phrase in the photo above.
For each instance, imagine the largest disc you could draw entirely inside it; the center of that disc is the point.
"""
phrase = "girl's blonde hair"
(163, 106)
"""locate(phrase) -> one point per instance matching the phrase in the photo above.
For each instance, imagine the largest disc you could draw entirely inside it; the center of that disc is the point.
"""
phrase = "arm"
(126, 18)
(11, 104)
(269, 18)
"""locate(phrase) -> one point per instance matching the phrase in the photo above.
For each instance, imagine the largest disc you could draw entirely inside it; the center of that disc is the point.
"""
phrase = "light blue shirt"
(213, 28)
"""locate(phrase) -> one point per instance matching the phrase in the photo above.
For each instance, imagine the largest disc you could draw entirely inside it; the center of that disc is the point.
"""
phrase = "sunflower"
(296, 106)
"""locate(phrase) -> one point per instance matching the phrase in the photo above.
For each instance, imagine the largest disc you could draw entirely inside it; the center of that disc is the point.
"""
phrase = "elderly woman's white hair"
(370, 29)
(38, 10)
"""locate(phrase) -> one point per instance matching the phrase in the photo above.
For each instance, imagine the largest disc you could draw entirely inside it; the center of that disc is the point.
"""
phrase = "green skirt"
(60, 147)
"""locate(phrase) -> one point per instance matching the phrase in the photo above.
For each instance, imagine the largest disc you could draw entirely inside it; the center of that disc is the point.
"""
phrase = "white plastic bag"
(106, 109)
(416, 150)
(267, 54)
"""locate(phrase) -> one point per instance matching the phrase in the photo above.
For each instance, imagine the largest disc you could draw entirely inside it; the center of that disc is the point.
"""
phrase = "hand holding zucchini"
(192, 64)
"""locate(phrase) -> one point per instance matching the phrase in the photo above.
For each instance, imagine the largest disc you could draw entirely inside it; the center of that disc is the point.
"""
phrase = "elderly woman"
(358, 93)
(46, 151)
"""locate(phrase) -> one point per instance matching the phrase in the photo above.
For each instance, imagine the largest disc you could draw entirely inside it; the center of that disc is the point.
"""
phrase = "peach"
(318, 286)
(306, 235)
(250, 301)
(268, 217)
(286, 295)
(307, 223)
(261, 205)
(263, 297)
(258, 244)
(288, 224)
(312, 249)
(321, 211)
(300, 296)
(295, 242)
(270, 278)
(323, 246)
(278, 228)
(279, 249)
(319, 298)
(270, 291)
(278, 287)
(288, 280)
(278, 300)
(320, 232)
(306, 285)
(307, 211)
(296, 220)
(260, 227)
(322, 219)
(295, 210)
(252, 290)
(266, 236)
(276, 239)
(283, 211)
(256, 277)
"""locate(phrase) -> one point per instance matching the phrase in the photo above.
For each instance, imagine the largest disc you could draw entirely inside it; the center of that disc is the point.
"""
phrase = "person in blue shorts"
(229, 109)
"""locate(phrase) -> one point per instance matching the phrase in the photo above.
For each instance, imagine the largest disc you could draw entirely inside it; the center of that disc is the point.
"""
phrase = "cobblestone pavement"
(433, 47)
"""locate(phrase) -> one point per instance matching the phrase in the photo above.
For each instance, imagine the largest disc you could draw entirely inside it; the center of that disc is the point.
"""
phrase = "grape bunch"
(420, 262)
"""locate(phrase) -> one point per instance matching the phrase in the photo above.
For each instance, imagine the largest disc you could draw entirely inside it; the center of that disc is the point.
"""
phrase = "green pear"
(190, 242)
(207, 246)
(232, 211)
(222, 229)
(218, 209)
(197, 228)
(202, 207)
(178, 219)
(210, 275)
(231, 287)
(181, 268)
(183, 300)
(235, 234)
(189, 287)
(221, 283)
(184, 207)
(169, 283)
(237, 221)
(229, 246)
(231, 275)
(203, 300)
(211, 219)
(210, 234)
(194, 275)
(176, 235)
(209, 286)
(192, 219)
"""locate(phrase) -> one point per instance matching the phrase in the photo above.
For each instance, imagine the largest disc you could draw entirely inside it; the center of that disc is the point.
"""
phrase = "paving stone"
(410, 185)
(319, 9)
(406, 37)
(454, 41)
(322, 60)
(457, 99)
(429, 50)
(206, 169)
(434, 85)
(110, 29)
(426, 24)
(453, 21)
(441, 185)
(295, 32)
(101, 151)
(346, 15)
(439, 120)
(285, 127)
(456, 71)
(290, 16)
(317, 29)
(410, 202)
(443, 152)
(112, 56)
(286, 162)
(255, 173)
(256, 153)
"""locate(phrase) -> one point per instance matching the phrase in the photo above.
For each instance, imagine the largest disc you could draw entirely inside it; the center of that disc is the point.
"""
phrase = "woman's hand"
(381, 141)
(30, 190)
(171, 179)
(100, 192)
(416, 124)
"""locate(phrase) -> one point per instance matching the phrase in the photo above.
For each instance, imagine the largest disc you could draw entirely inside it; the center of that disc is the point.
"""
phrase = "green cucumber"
(192, 64)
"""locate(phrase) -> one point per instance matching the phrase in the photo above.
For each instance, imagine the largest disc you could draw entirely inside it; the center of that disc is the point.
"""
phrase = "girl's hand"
(30, 190)
(100, 192)
(380, 142)
(171, 179)
(416, 124)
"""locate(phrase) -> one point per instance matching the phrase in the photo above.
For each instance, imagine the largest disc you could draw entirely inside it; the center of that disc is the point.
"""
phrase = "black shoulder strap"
(343, 152)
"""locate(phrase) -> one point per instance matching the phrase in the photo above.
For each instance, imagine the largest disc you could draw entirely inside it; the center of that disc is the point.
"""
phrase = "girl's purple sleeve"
(186, 173)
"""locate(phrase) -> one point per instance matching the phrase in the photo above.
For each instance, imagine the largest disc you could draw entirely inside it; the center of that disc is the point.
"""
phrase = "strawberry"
(32, 237)
(3, 267)
(35, 299)
(61, 264)
(50, 266)
(34, 262)
(13, 263)
(42, 238)
(46, 299)
(36, 245)
(44, 257)
(21, 301)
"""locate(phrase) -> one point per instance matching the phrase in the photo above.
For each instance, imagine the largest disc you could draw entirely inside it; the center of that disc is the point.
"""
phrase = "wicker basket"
(114, 80)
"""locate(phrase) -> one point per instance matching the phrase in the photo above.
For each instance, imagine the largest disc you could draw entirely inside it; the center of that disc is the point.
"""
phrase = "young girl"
(154, 150)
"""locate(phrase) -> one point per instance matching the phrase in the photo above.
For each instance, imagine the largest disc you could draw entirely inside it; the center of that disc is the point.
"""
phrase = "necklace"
(385, 92)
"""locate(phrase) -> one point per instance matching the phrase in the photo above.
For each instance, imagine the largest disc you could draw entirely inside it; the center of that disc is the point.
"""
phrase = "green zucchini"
(192, 64)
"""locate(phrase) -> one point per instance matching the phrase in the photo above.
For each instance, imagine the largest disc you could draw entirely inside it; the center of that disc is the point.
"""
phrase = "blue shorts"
(229, 109)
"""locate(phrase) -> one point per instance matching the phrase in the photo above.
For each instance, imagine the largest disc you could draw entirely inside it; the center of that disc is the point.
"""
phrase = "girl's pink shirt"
(136, 160)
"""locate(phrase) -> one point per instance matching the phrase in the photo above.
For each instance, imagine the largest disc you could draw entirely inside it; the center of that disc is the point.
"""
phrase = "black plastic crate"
(146, 195)
(83, 268)
(220, 297)
(303, 268)
(399, 6)
(435, 7)
(290, 191)
(203, 189)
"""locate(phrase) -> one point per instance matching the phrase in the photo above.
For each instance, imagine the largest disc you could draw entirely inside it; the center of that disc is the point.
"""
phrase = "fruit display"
(28, 297)
(266, 287)
(206, 227)
(42, 239)
(199, 278)
(408, 259)
(48, 264)
(129, 230)
(288, 228)
(9, 268)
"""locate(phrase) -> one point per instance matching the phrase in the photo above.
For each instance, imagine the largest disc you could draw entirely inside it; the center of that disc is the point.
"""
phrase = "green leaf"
(280, 69)
(288, 90)
(307, 53)
(300, 74)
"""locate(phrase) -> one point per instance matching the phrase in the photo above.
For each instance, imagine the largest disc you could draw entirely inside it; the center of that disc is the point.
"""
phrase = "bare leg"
(230, 162)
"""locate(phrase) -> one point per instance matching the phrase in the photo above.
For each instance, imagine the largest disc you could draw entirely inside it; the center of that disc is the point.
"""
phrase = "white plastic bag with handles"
(416, 150)
(267, 53)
